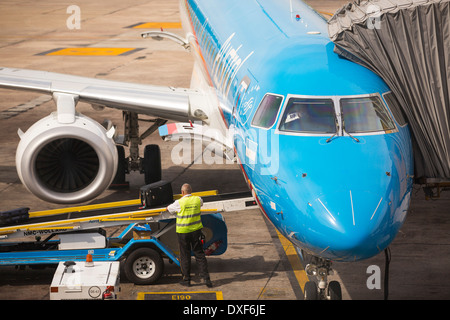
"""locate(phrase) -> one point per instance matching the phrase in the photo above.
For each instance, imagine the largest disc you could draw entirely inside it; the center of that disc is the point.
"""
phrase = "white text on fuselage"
(227, 64)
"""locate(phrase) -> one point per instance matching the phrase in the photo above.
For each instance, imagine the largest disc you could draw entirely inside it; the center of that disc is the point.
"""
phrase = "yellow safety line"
(158, 25)
(294, 260)
(91, 51)
(141, 295)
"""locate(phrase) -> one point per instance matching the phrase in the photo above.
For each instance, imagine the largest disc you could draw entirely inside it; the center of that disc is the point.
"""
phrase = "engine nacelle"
(66, 162)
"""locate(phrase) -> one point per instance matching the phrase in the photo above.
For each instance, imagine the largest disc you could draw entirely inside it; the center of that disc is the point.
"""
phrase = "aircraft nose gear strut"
(321, 290)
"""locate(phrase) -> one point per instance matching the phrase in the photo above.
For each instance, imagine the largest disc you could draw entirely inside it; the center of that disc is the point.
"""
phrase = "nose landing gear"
(321, 289)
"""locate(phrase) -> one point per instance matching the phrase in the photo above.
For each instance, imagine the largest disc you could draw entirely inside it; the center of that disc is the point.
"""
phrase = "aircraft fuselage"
(328, 160)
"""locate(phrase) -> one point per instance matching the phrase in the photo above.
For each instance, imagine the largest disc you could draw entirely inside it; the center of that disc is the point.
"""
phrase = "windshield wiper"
(336, 133)
(356, 139)
(343, 128)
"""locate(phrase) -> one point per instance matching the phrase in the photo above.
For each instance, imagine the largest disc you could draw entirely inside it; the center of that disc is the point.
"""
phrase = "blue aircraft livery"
(321, 140)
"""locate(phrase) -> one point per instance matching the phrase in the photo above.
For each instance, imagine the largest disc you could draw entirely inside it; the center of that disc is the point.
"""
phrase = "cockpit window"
(267, 111)
(365, 114)
(309, 116)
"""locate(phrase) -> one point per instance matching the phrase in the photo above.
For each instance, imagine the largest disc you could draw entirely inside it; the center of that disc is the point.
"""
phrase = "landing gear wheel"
(334, 290)
(144, 266)
(151, 164)
(119, 179)
(310, 291)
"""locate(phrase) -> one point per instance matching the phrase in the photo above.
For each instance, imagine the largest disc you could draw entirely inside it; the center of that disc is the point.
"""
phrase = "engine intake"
(66, 163)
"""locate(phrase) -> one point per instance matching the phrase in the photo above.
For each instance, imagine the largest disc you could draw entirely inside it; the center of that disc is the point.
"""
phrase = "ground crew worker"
(189, 232)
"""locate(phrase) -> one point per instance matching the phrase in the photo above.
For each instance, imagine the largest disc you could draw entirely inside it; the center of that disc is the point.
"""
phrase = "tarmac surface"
(259, 264)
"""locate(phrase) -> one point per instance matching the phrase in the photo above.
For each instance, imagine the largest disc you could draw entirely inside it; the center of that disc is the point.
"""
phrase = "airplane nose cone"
(351, 221)
(350, 225)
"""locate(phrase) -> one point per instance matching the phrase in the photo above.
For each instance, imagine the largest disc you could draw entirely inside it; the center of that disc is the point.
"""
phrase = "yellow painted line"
(158, 25)
(294, 259)
(184, 295)
(90, 52)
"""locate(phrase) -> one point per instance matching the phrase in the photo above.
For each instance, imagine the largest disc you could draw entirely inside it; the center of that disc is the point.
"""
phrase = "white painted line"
(353, 211)
(376, 208)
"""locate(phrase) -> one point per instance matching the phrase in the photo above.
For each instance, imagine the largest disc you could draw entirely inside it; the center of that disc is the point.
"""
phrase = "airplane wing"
(38, 153)
(157, 101)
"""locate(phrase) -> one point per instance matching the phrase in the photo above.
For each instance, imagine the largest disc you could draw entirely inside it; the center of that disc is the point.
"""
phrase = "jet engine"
(66, 162)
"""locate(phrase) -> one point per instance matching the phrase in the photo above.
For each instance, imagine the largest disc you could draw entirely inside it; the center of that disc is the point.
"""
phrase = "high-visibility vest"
(189, 217)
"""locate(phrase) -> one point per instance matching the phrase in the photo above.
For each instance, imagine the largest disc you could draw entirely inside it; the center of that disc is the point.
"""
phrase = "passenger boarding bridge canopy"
(407, 43)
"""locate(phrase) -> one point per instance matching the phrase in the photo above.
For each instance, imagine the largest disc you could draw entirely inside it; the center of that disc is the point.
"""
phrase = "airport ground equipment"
(147, 235)
(86, 280)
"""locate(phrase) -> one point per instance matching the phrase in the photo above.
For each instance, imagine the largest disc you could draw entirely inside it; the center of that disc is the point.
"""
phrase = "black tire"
(334, 290)
(151, 164)
(310, 291)
(119, 179)
(144, 266)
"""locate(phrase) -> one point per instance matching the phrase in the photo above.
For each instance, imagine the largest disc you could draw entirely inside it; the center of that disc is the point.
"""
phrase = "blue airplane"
(327, 157)
(321, 141)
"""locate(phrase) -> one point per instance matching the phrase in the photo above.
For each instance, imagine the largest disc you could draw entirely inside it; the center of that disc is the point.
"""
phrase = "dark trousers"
(187, 242)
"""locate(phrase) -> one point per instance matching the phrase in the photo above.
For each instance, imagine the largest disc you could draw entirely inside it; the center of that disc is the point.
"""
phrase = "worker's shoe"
(186, 282)
(207, 282)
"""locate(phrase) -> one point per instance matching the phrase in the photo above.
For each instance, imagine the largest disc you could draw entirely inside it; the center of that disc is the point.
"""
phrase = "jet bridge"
(407, 43)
